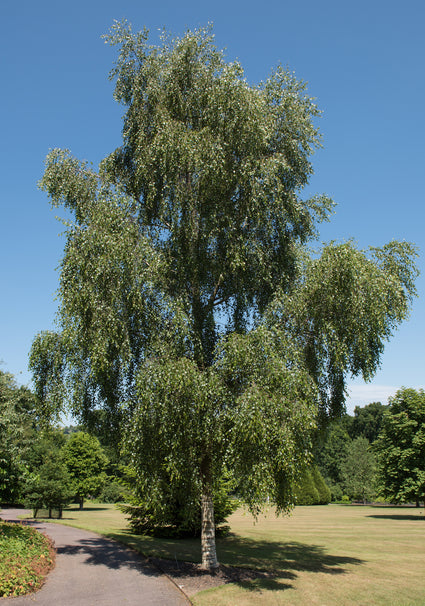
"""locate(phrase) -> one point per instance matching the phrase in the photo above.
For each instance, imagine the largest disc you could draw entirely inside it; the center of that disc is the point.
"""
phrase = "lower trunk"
(209, 554)
(81, 502)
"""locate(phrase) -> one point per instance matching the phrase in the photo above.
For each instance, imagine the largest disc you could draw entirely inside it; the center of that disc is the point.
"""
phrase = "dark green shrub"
(179, 514)
(306, 492)
(322, 488)
(113, 492)
(312, 488)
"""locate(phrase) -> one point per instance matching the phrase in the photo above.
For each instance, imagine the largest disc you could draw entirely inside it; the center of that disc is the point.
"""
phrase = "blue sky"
(363, 61)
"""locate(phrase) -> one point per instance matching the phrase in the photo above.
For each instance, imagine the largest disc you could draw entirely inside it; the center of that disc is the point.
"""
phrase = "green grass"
(26, 558)
(321, 556)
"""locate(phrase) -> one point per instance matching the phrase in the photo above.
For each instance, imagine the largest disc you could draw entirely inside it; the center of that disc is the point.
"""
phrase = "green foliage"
(367, 421)
(344, 308)
(50, 488)
(26, 557)
(46, 361)
(323, 489)
(307, 493)
(85, 461)
(45, 447)
(253, 408)
(331, 454)
(17, 422)
(311, 488)
(401, 447)
(359, 470)
(113, 492)
(177, 513)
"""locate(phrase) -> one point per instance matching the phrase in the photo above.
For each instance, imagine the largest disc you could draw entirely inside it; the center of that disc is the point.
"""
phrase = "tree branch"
(211, 301)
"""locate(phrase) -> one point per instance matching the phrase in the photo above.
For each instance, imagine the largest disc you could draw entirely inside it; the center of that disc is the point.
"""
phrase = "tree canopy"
(85, 462)
(367, 421)
(190, 309)
(17, 424)
(401, 447)
(359, 470)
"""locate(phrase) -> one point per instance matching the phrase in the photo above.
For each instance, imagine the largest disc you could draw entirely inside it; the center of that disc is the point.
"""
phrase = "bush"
(26, 558)
(113, 492)
(306, 492)
(312, 489)
(179, 514)
(323, 489)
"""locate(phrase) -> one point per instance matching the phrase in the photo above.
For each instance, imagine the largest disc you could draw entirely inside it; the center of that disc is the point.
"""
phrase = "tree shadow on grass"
(282, 556)
(256, 565)
(397, 516)
(85, 508)
(282, 560)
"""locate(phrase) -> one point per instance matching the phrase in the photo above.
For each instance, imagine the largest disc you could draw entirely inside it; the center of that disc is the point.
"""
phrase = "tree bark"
(209, 553)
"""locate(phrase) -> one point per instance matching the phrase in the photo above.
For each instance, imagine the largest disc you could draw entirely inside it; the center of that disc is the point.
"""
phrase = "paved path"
(93, 571)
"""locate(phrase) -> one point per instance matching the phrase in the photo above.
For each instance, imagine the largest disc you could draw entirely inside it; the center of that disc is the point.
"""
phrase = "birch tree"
(188, 308)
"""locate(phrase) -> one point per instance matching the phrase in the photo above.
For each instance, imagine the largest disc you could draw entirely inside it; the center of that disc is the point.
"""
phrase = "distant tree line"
(46, 467)
(345, 455)
(377, 453)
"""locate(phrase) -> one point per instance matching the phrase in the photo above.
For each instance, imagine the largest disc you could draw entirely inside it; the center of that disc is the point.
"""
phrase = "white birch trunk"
(209, 553)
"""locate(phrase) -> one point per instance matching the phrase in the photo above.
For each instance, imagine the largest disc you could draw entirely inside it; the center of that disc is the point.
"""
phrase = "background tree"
(312, 489)
(85, 461)
(401, 448)
(46, 447)
(359, 470)
(306, 492)
(367, 421)
(325, 495)
(50, 488)
(17, 430)
(185, 292)
(330, 456)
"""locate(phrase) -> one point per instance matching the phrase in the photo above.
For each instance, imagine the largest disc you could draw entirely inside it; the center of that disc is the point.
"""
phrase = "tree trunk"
(81, 502)
(209, 554)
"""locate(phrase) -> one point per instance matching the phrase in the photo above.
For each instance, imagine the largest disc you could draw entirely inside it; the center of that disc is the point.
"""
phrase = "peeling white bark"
(209, 553)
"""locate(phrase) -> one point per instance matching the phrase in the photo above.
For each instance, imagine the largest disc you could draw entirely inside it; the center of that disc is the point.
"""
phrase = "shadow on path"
(105, 552)
(91, 569)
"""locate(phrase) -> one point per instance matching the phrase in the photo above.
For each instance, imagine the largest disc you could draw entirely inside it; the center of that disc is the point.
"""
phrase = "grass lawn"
(323, 555)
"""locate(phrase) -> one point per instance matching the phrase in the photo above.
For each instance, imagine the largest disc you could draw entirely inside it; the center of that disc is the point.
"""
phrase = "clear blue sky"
(363, 61)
